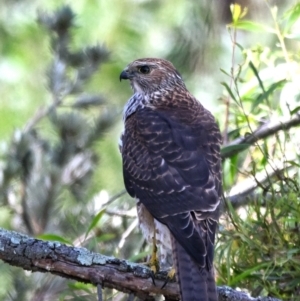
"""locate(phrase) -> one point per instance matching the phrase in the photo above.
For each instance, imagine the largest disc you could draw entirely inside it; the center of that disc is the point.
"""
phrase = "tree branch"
(82, 265)
(244, 192)
(262, 132)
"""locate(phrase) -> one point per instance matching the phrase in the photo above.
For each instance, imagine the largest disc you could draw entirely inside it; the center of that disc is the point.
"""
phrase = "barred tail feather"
(196, 284)
(211, 286)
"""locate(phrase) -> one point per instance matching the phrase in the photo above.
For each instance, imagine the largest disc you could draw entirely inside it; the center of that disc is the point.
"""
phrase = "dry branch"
(244, 192)
(82, 265)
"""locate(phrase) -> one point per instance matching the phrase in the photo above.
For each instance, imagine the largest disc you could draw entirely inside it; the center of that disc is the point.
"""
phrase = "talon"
(152, 278)
(170, 276)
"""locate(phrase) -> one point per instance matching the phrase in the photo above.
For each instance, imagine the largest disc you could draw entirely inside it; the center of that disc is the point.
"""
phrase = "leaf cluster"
(258, 246)
(47, 167)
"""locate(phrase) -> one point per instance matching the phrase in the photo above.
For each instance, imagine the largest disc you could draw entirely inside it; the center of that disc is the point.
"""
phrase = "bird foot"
(153, 263)
(170, 276)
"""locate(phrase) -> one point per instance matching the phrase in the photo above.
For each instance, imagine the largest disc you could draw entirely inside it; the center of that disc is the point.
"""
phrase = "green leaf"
(256, 73)
(291, 17)
(95, 221)
(293, 163)
(295, 110)
(229, 91)
(252, 26)
(265, 95)
(54, 237)
(248, 272)
(234, 166)
(87, 287)
(225, 72)
(106, 237)
(233, 148)
(139, 256)
(234, 133)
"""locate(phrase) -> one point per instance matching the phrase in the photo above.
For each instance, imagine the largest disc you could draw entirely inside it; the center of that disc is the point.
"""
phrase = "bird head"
(149, 75)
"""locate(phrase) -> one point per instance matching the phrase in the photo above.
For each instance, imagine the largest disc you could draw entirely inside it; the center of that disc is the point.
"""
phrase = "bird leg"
(154, 262)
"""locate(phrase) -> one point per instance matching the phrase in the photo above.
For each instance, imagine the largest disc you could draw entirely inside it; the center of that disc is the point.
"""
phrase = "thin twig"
(243, 193)
(99, 292)
(115, 197)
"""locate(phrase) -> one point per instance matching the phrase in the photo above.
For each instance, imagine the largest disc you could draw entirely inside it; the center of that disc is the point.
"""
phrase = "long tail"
(196, 284)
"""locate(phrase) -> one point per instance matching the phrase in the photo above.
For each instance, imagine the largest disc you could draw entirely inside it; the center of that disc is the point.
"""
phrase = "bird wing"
(171, 163)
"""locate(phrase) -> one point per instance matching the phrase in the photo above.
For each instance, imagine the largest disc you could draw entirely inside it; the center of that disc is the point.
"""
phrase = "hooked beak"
(125, 75)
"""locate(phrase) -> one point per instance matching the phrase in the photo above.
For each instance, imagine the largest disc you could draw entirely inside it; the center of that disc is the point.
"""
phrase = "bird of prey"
(171, 164)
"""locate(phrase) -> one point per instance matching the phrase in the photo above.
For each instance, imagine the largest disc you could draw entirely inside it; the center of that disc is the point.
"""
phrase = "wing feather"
(171, 163)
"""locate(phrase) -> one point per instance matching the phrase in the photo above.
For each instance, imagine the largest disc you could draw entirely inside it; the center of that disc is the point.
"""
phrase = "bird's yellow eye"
(144, 69)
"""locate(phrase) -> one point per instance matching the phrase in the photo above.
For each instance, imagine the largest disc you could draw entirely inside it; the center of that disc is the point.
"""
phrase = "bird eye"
(144, 69)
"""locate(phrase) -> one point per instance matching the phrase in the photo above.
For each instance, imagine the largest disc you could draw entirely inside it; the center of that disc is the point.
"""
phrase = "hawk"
(171, 164)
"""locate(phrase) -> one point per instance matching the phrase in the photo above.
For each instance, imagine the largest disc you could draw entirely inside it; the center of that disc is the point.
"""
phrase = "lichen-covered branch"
(85, 266)
(80, 264)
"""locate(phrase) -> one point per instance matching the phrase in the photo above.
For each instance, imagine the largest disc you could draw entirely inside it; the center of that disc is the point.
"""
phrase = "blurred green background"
(61, 167)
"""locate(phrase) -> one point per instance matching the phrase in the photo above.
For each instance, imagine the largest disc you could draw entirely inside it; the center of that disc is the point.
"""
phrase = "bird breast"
(148, 224)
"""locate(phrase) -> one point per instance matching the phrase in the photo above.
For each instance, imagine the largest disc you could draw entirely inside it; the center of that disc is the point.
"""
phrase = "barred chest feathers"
(140, 99)
(149, 225)
(172, 167)
(137, 100)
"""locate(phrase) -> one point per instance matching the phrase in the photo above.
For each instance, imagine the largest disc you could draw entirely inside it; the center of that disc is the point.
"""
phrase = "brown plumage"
(171, 165)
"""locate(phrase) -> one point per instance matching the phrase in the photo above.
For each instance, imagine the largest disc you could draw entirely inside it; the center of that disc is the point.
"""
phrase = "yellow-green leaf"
(54, 237)
(237, 12)
(252, 26)
(291, 17)
(95, 221)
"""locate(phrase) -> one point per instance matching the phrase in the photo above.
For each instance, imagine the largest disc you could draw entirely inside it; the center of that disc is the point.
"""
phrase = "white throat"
(133, 103)
(136, 88)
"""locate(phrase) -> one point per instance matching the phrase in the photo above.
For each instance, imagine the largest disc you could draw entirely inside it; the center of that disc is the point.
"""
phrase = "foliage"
(258, 245)
(60, 166)
(60, 173)
(49, 164)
